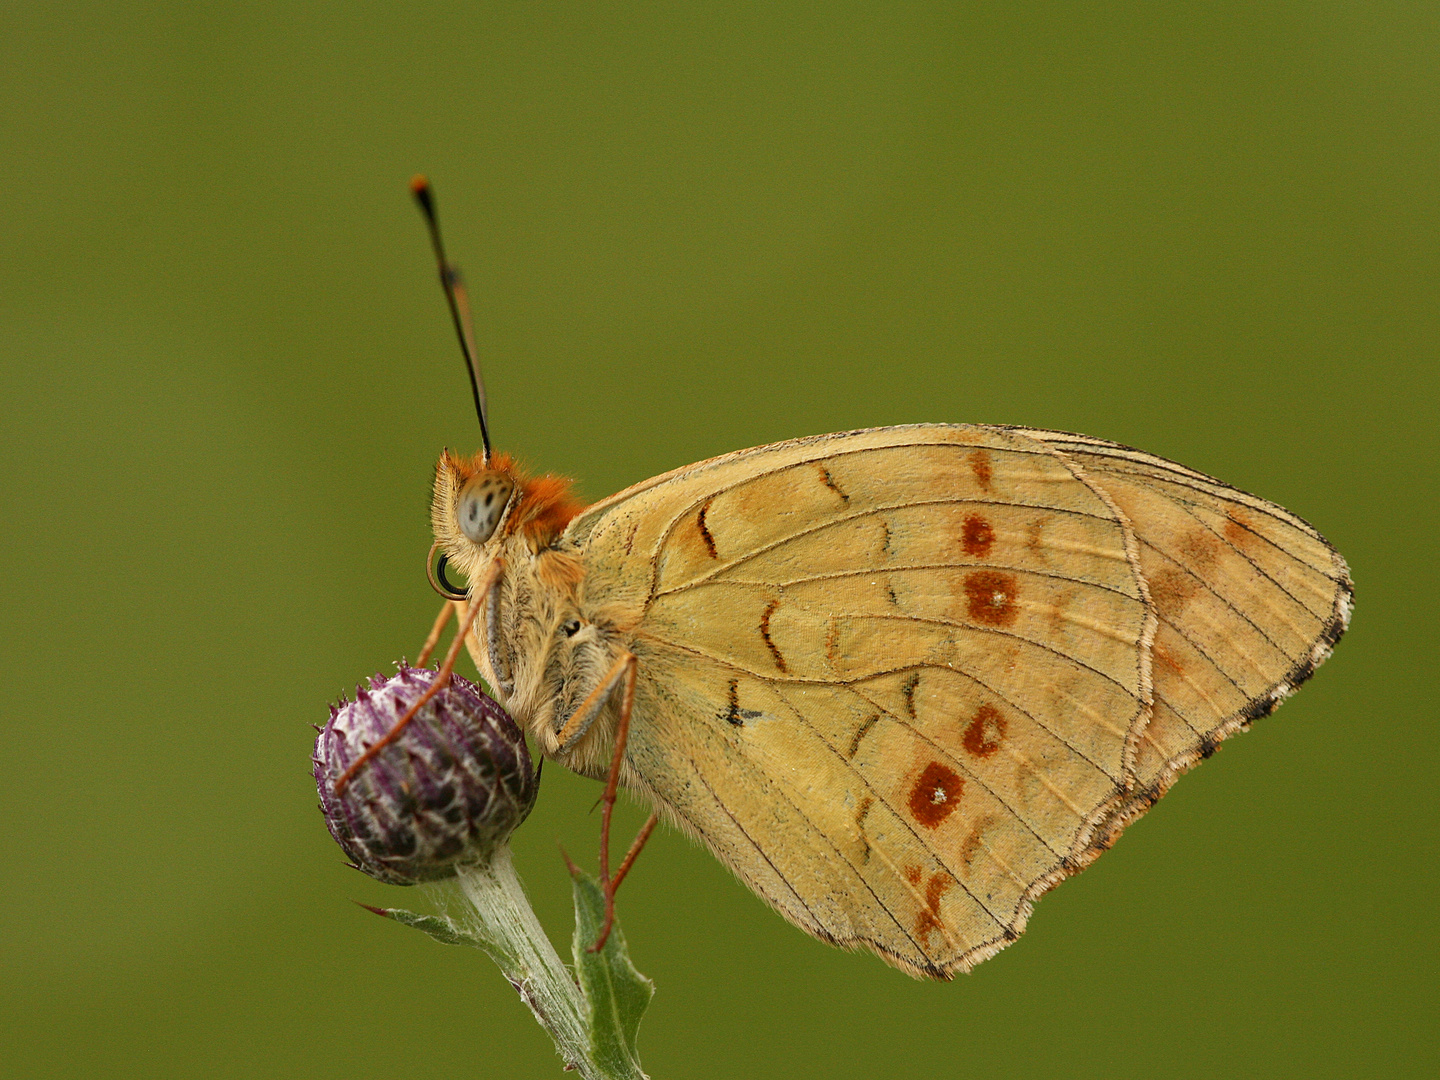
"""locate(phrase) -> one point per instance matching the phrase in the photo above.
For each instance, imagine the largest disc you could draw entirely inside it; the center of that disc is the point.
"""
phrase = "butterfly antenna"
(459, 303)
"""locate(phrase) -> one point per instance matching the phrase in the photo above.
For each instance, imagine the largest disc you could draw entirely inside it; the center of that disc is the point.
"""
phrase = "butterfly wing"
(899, 680)
(1250, 600)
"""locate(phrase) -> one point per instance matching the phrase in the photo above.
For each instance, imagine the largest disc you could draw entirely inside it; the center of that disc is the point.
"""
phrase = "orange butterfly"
(901, 681)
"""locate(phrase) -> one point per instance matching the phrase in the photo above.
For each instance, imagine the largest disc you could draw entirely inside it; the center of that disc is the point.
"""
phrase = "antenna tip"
(420, 188)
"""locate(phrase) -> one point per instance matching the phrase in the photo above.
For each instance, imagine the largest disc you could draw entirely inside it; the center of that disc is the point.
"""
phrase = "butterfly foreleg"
(483, 590)
(621, 676)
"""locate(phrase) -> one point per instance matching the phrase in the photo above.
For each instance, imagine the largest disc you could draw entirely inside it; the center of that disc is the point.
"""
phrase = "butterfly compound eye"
(482, 501)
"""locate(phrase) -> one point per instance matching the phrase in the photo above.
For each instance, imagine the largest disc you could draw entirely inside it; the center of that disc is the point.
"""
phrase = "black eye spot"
(489, 498)
(571, 628)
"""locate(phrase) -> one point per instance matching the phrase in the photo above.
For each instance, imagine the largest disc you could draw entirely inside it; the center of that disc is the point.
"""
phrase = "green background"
(1205, 230)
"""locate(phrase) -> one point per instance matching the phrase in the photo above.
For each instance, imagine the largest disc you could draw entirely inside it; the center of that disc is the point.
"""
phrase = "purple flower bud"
(449, 791)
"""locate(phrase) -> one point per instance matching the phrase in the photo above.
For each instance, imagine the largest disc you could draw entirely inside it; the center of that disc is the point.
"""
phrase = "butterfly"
(901, 681)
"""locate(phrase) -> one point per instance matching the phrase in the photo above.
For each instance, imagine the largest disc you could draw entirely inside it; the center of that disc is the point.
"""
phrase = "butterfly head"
(482, 504)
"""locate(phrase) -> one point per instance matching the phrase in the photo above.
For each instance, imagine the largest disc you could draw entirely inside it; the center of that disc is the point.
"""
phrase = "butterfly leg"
(630, 856)
(442, 678)
(612, 884)
(621, 674)
(612, 784)
(621, 679)
(434, 638)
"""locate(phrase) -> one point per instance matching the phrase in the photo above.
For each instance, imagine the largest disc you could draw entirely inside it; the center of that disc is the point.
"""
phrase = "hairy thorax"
(544, 653)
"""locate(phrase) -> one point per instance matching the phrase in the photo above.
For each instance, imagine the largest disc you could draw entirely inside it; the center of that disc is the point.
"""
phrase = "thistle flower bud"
(447, 793)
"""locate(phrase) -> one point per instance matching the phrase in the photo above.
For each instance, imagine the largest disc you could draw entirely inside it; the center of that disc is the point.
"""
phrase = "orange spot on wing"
(975, 839)
(981, 468)
(1171, 589)
(976, 536)
(1168, 660)
(1056, 615)
(935, 795)
(1201, 548)
(913, 874)
(985, 732)
(990, 597)
(928, 921)
(1032, 535)
(1238, 529)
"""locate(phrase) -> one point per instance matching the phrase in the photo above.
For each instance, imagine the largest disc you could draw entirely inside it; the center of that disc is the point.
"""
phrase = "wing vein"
(1328, 598)
(1234, 610)
(758, 849)
(763, 549)
(1259, 505)
(973, 776)
(1211, 661)
(997, 633)
(836, 575)
(838, 853)
(879, 797)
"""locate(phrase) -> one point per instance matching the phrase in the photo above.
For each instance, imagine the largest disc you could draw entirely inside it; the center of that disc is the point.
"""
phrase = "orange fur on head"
(543, 506)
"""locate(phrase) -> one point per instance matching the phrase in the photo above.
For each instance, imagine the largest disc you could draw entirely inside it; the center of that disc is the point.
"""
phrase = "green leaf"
(616, 995)
(445, 931)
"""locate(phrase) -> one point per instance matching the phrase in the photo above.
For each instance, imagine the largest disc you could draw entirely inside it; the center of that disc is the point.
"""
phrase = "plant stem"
(527, 958)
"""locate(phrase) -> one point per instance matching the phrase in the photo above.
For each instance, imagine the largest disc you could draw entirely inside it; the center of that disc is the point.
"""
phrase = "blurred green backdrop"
(1205, 230)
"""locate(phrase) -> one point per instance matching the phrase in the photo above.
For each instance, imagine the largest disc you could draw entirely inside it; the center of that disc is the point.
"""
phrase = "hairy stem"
(527, 958)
